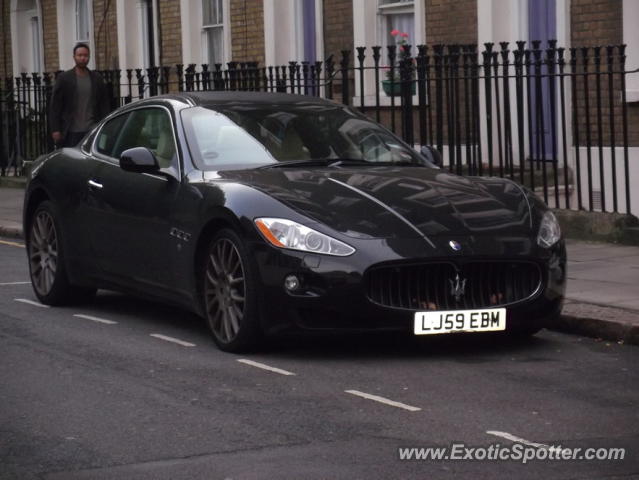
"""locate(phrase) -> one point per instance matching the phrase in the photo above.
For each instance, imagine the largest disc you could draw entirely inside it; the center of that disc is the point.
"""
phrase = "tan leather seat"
(292, 147)
(165, 150)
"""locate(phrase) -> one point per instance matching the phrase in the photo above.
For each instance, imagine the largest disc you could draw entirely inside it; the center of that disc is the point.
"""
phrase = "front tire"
(230, 293)
(47, 267)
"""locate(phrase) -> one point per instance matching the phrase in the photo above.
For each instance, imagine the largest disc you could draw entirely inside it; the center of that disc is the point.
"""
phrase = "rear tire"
(230, 293)
(47, 267)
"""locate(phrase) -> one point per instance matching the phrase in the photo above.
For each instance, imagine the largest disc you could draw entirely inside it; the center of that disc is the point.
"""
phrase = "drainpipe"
(151, 31)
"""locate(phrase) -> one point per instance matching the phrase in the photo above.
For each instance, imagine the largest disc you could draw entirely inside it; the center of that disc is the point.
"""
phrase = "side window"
(150, 128)
(109, 134)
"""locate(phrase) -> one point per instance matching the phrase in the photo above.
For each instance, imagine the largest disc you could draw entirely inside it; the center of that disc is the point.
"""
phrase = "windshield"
(241, 135)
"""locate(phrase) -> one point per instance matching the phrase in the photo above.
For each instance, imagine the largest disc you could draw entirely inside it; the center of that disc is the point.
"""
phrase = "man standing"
(79, 100)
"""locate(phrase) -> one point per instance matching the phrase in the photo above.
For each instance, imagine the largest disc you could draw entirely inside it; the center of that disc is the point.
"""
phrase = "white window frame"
(366, 13)
(283, 35)
(35, 25)
(144, 59)
(209, 29)
(194, 48)
(126, 12)
(89, 10)
(631, 39)
(67, 20)
(22, 30)
(143, 30)
(132, 32)
(383, 28)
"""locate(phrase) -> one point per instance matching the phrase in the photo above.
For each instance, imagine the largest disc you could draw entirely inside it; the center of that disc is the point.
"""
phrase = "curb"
(597, 321)
(599, 226)
(13, 182)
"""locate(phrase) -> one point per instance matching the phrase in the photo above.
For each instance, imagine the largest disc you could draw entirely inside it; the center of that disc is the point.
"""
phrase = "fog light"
(292, 283)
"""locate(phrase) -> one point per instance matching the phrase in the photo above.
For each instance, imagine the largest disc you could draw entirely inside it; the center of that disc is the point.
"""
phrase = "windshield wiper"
(296, 163)
(318, 162)
(338, 162)
(403, 163)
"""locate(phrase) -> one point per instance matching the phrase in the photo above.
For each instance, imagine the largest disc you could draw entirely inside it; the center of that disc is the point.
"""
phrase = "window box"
(394, 89)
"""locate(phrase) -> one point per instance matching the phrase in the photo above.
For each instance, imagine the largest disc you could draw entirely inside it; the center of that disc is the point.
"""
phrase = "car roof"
(211, 99)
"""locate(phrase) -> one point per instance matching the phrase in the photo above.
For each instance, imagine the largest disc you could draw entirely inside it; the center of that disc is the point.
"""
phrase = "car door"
(132, 211)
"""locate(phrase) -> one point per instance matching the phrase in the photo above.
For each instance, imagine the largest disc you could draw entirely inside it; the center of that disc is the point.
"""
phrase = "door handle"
(95, 184)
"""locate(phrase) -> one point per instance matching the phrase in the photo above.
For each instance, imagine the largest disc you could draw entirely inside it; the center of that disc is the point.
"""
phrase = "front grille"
(430, 286)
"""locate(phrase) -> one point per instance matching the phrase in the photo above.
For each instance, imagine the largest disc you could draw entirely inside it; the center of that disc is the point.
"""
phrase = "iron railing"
(553, 119)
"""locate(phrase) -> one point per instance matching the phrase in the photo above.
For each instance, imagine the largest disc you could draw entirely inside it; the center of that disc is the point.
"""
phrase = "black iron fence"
(553, 119)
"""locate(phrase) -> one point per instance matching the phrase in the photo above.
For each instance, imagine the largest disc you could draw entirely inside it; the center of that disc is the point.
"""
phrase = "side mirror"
(140, 160)
(431, 154)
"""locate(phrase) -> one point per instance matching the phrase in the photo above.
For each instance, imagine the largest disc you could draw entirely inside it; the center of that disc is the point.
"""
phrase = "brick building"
(39, 34)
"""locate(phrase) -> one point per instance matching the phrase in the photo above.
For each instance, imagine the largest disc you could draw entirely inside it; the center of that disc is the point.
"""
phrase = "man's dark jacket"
(64, 96)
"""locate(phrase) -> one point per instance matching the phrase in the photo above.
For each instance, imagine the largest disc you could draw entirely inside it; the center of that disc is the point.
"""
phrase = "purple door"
(542, 25)
(308, 27)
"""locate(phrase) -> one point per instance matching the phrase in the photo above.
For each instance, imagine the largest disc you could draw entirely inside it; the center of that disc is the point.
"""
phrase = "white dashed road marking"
(31, 302)
(12, 244)
(515, 439)
(265, 367)
(383, 400)
(95, 319)
(173, 340)
(14, 283)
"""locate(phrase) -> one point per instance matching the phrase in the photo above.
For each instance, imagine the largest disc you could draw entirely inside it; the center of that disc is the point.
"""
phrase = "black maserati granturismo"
(267, 212)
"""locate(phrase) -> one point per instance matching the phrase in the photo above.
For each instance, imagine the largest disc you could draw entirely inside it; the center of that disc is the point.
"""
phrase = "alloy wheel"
(225, 290)
(43, 252)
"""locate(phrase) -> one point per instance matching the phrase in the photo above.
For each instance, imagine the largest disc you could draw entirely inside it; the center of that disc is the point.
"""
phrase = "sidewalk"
(11, 212)
(602, 299)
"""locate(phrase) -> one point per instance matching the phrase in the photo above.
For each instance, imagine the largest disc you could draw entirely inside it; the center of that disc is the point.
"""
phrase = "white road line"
(12, 244)
(513, 438)
(383, 400)
(264, 367)
(31, 302)
(94, 319)
(173, 340)
(13, 283)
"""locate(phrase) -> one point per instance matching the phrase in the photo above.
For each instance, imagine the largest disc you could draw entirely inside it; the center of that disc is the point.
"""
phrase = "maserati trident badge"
(457, 287)
(456, 246)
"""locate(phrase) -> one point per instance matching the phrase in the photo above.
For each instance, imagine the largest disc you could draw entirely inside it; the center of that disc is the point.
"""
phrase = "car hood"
(392, 202)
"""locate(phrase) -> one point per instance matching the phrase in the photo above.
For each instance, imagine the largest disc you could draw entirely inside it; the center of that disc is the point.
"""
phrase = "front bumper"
(333, 295)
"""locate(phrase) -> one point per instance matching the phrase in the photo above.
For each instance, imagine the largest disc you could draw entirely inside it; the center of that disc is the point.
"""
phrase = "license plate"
(486, 320)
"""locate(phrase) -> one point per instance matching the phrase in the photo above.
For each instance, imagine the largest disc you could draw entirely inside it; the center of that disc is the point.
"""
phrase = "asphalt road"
(103, 391)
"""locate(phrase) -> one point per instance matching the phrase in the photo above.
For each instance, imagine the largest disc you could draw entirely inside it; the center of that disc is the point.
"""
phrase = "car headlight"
(549, 231)
(284, 233)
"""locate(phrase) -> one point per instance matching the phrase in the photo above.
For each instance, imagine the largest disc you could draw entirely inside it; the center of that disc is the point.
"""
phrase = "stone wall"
(247, 31)
(600, 22)
(338, 28)
(6, 63)
(451, 21)
(105, 35)
(170, 33)
(50, 36)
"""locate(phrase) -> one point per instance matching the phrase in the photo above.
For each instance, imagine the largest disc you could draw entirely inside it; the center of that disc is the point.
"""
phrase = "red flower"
(394, 32)
(404, 34)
